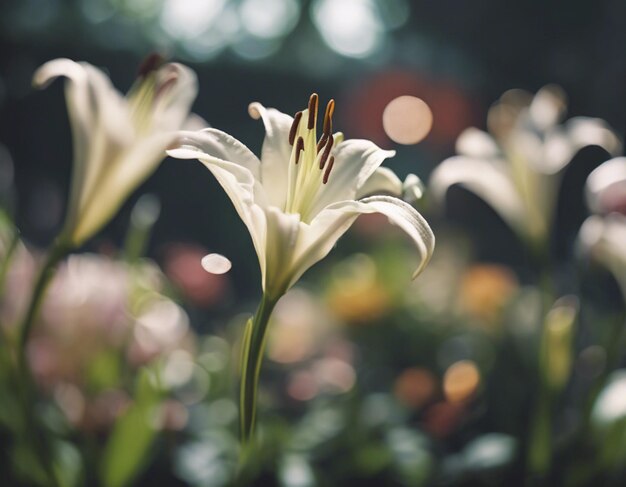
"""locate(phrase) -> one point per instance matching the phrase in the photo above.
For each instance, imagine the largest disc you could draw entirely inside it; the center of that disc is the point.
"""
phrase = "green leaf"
(126, 451)
(104, 370)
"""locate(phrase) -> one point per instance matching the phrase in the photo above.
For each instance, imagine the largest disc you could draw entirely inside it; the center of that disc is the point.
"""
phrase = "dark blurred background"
(457, 56)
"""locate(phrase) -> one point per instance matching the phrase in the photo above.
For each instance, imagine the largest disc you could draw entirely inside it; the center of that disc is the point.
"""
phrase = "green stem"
(34, 431)
(46, 273)
(4, 269)
(540, 444)
(251, 358)
(4, 266)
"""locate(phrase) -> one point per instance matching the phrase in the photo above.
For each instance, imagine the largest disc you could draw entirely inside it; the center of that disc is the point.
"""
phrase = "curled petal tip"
(180, 151)
(254, 110)
(47, 72)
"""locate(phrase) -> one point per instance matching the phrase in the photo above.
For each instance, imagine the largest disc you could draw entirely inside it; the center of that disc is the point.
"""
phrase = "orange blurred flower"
(415, 387)
(485, 290)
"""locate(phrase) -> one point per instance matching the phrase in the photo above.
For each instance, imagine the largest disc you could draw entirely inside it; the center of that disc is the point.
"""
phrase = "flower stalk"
(56, 254)
(253, 346)
(25, 379)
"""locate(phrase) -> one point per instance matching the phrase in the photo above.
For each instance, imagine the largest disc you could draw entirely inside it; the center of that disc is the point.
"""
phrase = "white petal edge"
(317, 239)
(610, 174)
(214, 143)
(276, 150)
(476, 143)
(244, 191)
(100, 124)
(412, 188)
(355, 162)
(382, 181)
(486, 180)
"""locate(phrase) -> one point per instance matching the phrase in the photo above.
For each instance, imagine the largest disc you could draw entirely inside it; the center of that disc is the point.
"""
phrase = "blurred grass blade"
(127, 449)
(143, 216)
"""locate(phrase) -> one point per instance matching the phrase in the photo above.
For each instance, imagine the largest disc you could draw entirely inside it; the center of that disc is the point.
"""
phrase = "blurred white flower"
(304, 193)
(118, 140)
(516, 168)
(603, 235)
(605, 240)
(606, 187)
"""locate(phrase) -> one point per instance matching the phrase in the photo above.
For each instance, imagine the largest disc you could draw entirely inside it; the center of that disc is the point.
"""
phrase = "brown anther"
(326, 153)
(294, 128)
(328, 117)
(322, 143)
(299, 148)
(313, 101)
(151, 63)
(331, 161)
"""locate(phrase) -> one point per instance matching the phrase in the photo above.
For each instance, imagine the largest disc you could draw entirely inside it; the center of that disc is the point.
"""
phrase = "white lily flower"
(118, 140)
(603, 235)
(517, 167)
(303, 193)
(603, 238)
(606, 187)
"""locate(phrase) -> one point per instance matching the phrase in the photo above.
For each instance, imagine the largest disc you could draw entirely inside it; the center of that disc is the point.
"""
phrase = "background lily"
(118, 140)
(606, 187)
(517, 167)
(296, 202)
(603, 235)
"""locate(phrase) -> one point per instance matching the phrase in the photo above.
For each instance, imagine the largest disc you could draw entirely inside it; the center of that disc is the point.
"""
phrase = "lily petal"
(412, 188)
(355, 162)
(408, 219)
(176, 89)
(548, 106)
(485, 179)
(561, 144)
(237, 180)
(477, 143)
(584, 131)
(118, 179)
(317, 239)
(214, 143)
(606, 186)
(603, 238)
(280, 246)
(383, 181)
(276, 150)
(99, 121)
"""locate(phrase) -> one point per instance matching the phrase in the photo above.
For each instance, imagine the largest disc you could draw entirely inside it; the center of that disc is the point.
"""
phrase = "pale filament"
(311, 161)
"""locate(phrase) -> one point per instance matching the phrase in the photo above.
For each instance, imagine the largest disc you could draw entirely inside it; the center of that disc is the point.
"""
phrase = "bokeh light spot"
(351, 27)
(461, 381)
(269, 18)
(216, 264)
(186, 19)
(407, 120)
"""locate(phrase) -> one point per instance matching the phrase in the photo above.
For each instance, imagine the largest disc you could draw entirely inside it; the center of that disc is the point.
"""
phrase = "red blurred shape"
(452, 109)
(182, 265)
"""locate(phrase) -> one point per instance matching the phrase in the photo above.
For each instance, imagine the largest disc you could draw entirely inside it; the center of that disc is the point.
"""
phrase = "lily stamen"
(322, 143)
(313, 102)
(299, 148)
(326, 153)
(331, 162)
(328, 117)
(294, 128)
(151, 63)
